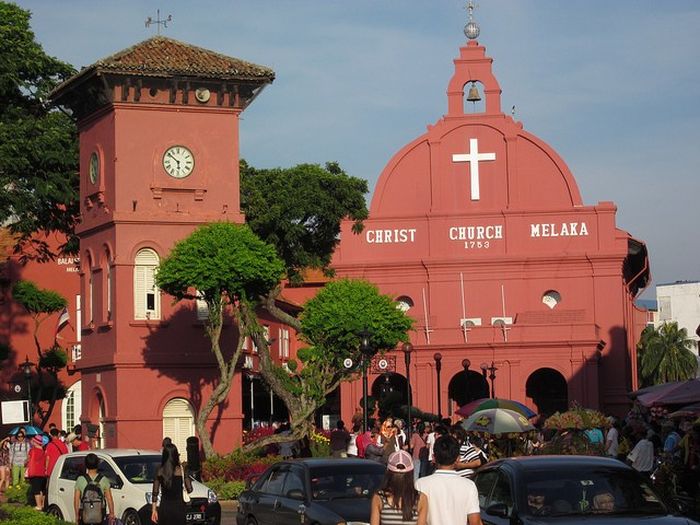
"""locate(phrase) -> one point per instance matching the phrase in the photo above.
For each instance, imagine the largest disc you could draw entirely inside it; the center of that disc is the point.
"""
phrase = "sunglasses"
(20, 435)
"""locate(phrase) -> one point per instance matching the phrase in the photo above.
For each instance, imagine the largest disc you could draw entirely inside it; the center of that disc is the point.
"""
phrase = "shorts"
(37, 485)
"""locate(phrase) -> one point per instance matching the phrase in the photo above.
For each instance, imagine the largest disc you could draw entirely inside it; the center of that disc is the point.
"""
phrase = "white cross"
(473, 158)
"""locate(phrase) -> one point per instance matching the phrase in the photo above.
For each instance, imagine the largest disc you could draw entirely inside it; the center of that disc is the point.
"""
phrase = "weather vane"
(158, 22)
(471, 30)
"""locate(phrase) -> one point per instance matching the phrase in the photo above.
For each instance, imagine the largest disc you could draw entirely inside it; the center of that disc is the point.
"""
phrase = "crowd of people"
(25, 455)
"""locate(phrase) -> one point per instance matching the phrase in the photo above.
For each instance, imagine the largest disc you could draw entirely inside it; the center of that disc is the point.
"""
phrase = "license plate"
(195, 516)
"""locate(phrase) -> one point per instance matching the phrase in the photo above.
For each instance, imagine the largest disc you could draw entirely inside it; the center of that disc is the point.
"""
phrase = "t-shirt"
(467, 454)
(36, 463)
(430, 441)
(53, 451)
(672, 441)
(339, 439)
(612, 441)
(594, 435)
(82, 482)
(642, 456)
(451, 498)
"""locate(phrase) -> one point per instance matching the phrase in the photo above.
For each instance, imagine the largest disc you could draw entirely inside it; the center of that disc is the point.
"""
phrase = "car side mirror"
(296, 494)
(117, 483)
(499, 510)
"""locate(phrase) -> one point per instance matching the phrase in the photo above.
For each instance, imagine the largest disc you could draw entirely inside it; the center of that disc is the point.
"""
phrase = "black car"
(312, 491)
(568, 489)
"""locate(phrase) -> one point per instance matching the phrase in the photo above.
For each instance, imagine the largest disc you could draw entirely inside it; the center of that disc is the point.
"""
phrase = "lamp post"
(367, 351)
(27, 372)
(491, 375)
(466, 363)
(437, 356)
(407, 349)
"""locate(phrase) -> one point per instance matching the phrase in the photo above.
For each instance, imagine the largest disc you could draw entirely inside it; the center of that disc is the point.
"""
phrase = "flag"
(62, 320)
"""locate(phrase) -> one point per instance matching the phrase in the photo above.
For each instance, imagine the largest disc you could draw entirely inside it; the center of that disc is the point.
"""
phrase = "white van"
(131, 473)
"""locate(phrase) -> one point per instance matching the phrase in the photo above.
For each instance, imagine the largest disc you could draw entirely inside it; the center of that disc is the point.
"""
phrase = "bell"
(473, 95)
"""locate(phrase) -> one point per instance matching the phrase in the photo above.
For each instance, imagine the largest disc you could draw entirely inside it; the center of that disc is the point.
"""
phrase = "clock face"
(178, 162)
(94, 168)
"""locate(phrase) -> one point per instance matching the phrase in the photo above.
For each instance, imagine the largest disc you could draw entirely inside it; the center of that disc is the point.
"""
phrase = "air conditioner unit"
(501, 321)
(470, 322)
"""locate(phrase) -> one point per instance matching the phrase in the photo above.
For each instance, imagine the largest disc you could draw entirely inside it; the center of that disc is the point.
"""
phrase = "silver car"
(131, 472)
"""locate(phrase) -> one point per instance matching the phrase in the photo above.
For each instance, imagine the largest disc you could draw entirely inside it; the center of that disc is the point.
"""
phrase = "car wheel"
(131, 517)
(54, 511)
(251, 521)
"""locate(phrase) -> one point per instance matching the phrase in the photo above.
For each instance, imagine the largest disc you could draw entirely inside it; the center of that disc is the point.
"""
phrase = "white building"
(680, 302)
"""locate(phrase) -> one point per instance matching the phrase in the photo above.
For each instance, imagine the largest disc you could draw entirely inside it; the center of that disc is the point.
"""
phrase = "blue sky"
(612, 86)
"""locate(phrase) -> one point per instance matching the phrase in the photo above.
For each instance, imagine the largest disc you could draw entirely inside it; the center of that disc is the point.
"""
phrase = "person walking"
(397, 502)
(19, 451)
(36, 471)
(97, 487)
(470, 456)
(5, 471)
(452, 499)
(55, 448)
(419, 450)
(642, 456)
(340, 438)
(171, 481)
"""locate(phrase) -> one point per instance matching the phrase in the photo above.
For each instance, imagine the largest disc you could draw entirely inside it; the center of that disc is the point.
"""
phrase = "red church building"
(518, 289)
(477, 228)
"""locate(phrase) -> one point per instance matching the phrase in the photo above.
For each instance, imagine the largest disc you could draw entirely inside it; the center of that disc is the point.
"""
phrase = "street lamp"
(437, 356)
(27, 372)
(367, 352)
(491, 375)
(466, 363)
(407, 349)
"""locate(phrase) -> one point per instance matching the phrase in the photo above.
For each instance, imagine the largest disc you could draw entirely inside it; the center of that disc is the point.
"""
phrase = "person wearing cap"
(452, 499)
(36, 471)
(55, 448)
(397, 501)
(77, 444)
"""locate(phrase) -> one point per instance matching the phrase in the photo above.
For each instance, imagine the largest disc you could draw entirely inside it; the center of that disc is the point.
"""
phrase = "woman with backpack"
(397, 501)
(172, 482)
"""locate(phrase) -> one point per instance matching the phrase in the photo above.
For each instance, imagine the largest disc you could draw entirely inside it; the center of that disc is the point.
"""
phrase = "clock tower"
(158, 125)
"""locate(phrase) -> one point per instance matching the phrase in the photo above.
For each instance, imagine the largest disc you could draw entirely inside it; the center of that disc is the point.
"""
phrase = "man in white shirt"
(642, 455)
(612, 440)
(452, 499)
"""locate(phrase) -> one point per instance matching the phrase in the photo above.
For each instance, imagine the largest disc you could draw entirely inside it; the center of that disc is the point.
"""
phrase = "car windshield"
(589, 491)
(140, 468)
(358, 481)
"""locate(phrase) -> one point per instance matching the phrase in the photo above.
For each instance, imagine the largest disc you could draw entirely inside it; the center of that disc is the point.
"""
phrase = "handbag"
(185, 494)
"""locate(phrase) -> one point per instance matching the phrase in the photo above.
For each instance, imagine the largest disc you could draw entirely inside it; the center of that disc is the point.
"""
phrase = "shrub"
(226, 489)
(236, 466)
(13, 515)
(18, 493)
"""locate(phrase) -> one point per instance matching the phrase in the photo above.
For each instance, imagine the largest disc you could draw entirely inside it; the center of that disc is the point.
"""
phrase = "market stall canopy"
(677, 393)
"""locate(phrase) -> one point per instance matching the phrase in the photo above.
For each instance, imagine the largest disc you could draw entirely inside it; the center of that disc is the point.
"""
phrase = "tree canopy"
(230, 268)
(665, 355)
(299, 209)
(38, 146)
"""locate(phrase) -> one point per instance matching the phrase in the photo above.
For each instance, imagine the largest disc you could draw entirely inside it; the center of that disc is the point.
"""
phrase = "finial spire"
(471, 30)
(158, 22)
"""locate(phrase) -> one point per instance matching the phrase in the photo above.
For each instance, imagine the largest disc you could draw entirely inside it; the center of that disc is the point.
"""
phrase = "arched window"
(146, 295)
(71, 407)
(108, 285)
(178, 423)
(90, 291)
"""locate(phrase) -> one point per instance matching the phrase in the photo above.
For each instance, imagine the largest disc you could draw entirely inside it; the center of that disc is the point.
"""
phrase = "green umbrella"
(497, 421)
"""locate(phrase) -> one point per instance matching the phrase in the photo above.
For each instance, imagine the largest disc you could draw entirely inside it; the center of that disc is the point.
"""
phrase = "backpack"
(92, 502)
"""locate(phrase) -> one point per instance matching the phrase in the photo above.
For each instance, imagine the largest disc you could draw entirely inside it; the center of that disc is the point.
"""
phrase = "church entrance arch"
(548, 390)
(389, 392)
(466, 387)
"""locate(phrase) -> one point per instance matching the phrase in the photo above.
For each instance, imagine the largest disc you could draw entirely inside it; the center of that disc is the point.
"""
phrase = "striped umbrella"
(485, 403)
(497, 421)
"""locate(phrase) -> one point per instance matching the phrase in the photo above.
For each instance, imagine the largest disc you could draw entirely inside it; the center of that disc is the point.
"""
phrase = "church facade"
(518, 288)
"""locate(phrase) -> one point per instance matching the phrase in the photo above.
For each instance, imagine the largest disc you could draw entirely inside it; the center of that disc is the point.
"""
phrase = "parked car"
(568, 489)
(131, 473)
(312, 491)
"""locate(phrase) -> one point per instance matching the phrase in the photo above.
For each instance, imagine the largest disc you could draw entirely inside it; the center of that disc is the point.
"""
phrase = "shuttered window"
(202, 307)
(146, 294)
(71, 406)
(178, 423)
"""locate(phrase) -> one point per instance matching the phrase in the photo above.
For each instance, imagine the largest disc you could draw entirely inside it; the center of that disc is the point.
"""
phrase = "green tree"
(665, 355)
(38, 146)
(330, 324)
(230, 268)
(298, 210)
(41, 304)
